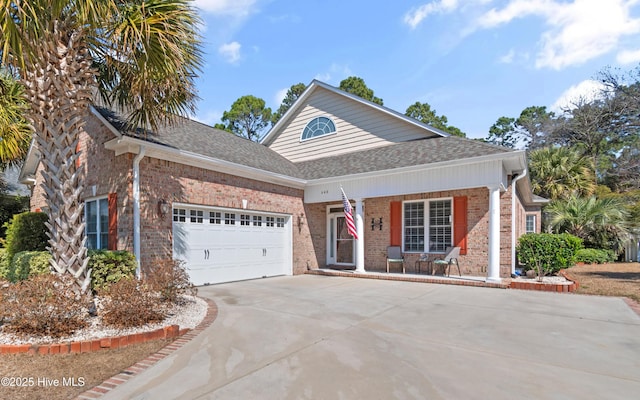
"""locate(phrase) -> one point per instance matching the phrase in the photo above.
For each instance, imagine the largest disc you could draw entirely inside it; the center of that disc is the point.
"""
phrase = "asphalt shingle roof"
(198, 138)
(405, 154)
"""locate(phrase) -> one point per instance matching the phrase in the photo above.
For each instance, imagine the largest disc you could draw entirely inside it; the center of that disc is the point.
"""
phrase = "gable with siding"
(359, 125)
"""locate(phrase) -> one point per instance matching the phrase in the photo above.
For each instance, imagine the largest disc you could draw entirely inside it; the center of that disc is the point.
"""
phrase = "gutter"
(513, 219)
(136, 207)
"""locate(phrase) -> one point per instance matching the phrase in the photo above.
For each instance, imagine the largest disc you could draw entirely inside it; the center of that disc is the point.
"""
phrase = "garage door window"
(280, 222)
(257, 220)
(245, 219)
(197, 216)
(179, 215)
(270, 222)
(214, 218)
(229, 219)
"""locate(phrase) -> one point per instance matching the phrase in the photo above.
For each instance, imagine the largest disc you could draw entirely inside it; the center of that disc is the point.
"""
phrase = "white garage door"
(224, 245)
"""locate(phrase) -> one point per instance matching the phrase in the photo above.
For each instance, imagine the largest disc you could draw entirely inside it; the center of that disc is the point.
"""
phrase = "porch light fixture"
(163, 208)
(375, 224)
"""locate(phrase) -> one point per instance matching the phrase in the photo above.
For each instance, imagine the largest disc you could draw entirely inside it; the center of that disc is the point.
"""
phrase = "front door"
(341, 244)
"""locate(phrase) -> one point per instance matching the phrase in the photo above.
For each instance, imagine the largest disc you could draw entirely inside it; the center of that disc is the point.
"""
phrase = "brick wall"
(376, 241)
(178, 183)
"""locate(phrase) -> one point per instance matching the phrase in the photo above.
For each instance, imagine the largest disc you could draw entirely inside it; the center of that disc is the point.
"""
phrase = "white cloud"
(577, 31)
(237, 8)
(584, 91)
(416, 15)
(628, 57)
(230, 51)
(507, 58)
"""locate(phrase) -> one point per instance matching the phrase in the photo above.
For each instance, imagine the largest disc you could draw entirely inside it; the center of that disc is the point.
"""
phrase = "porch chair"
(394, 254)
(450, 257)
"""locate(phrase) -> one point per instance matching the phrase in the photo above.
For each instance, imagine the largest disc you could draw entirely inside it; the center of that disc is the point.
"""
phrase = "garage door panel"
(223, 252)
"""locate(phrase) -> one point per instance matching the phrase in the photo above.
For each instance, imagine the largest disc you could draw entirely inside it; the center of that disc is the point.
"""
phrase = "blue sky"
(471, 60)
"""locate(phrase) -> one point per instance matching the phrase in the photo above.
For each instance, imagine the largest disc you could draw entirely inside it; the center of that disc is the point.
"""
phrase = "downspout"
(513, 219)
(136, 207)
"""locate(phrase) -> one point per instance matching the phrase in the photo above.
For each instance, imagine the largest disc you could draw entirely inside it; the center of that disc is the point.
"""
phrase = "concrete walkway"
(315, 337)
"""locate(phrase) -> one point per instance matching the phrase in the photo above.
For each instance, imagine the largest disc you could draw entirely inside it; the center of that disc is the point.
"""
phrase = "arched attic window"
(319, 126)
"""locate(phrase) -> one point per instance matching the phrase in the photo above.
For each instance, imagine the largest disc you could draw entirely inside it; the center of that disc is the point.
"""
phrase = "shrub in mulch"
(44, 305)
(170, 279)
(127, 303)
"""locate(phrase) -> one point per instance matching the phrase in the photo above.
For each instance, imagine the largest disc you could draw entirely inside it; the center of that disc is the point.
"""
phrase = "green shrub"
(26, 232)
(10, 206)
(108, 267)
(595, 256)
(547, 253)
(4, 264)
(46, 305)
(26, 264)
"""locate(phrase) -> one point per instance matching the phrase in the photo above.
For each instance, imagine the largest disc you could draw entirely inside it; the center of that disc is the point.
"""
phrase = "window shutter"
(112, 241)
(78, 148)
(396, 223)
(460, 223)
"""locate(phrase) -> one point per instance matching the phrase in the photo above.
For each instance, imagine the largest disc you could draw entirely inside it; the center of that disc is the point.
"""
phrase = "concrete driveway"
(314, 337)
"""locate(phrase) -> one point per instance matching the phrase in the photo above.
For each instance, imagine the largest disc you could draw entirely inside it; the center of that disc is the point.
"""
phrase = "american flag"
(351, 226)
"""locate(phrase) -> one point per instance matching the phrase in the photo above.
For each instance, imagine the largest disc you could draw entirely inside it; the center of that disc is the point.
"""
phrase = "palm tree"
(559, 172)
(15, 132)
(140, 56)
(602, 223)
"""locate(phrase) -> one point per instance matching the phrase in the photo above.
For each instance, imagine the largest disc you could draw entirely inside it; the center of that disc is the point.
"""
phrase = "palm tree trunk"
(58, 88)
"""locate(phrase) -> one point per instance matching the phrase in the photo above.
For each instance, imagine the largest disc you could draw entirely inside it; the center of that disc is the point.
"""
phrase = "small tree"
(547, 253)
(248, 118)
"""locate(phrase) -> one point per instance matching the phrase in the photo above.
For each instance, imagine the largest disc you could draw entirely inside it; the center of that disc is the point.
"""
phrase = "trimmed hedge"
(595, 256)
(26, 264)
(109, 266)
(27, 232)
(4, 264)
(548, 253)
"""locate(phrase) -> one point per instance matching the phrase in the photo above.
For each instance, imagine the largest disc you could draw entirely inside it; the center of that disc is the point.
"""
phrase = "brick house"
(233, 209)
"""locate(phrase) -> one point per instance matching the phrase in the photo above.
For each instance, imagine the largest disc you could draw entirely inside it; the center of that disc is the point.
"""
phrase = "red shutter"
(112, 241)
(78, 148)
(396, 223)
(460, 223)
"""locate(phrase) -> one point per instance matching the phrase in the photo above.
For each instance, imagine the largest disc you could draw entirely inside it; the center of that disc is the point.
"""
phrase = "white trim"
(106, 123)
(514, 197)
(98, 232)
(426, 225)
(535, 223)
(330, 241)
(136, 207)
(335, 131)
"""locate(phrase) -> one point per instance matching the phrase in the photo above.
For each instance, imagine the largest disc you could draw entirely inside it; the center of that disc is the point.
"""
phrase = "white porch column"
(360, 232)
(493, 271)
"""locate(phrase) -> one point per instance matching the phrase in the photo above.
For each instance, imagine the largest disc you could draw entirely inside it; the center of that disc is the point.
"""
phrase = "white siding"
(358, 127)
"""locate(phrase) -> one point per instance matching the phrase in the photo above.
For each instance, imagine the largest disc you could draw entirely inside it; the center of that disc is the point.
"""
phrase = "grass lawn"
(617, 279)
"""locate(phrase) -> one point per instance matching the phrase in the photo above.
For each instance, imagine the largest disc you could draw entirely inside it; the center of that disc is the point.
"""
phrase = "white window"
(214, 218)
(245, 219)
(280, 222)
(179, 215)
(229, 219)
(430, 231)
(257, 220)
(196, 216)
(270, 221)
(317, 127)
(530, 223)
(96, 216)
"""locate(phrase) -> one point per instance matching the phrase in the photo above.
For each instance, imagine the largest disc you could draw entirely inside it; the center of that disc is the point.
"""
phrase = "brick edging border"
(548, 287)
(88, 346)
(186, 335)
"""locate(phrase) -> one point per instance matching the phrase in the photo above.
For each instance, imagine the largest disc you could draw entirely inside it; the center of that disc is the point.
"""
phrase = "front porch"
(465, 280)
